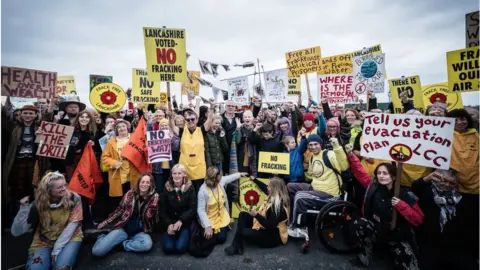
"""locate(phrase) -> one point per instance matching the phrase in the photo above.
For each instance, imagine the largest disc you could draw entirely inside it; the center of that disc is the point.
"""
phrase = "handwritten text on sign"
(29, 83)
(463, 70)
(159, 146)
(276, 163)
(54, 140)
(339, 88)
(303, 61)
(369, 73)
(238, 90)
(472, 39)
(420, 140)
(166, 54)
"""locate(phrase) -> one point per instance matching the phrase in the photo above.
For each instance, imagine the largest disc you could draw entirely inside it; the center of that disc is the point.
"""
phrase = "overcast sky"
(105, 36)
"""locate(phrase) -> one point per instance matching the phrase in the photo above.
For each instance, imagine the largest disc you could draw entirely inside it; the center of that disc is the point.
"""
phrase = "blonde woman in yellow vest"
(266, 228)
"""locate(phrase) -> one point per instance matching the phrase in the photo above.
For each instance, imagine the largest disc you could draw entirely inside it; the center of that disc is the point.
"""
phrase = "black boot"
(232, 250)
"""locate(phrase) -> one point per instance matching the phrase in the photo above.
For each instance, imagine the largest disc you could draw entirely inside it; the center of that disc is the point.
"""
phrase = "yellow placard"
(337, 64)
(303, 61)
(275, 163)
(377, 49)
(194, 86)
(439, 92)
(463, 70)
(294, 86)
(143, 90)
(414, 92)
(66, 85)
(108, 97)
(250, 196)
(163, 98)
(166, 54)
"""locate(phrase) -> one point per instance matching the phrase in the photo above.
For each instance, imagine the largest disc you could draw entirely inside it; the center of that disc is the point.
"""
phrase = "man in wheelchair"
(323, 171)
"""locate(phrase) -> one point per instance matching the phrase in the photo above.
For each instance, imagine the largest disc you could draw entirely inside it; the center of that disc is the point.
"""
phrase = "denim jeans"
(176, 244)
(140, 242)
(41, 258)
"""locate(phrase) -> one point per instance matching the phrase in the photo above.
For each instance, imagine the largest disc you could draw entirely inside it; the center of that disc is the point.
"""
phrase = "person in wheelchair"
(379, 202)
(325, 187)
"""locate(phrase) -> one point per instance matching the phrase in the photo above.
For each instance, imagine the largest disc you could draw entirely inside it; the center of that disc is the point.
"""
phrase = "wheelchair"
(333, 226)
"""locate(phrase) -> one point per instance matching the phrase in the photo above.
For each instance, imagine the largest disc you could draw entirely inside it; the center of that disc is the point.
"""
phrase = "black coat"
(178, 206)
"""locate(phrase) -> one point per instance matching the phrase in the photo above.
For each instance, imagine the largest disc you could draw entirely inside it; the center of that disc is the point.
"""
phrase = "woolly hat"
(315, 138)
(309, 116)
(29, 108)
(334, 121)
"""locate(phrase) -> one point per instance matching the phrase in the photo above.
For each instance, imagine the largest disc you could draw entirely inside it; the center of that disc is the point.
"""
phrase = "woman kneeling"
(268, 227)
(57, 215)
(136, 214)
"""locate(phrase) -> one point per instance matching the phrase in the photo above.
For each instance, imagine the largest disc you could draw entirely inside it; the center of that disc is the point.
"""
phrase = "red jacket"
(412, 214)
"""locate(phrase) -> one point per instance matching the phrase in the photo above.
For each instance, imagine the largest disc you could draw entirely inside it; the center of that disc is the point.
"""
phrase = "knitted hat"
(315, 138)
(334, 121)
(29, 108)
(164, 121)
(309, 116)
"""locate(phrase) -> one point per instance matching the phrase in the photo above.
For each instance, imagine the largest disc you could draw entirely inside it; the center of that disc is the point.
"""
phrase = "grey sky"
(105, 37)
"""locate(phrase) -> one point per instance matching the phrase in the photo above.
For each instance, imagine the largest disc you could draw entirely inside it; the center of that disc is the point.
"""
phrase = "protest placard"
(238, 90)
(28, 83)
(108, 97)
(304, 61)
(275, 85)
(463, 70)
(163, 98)
(420, 140)
(143, 90)
(472, 39)
(339, 88)
(54, 140)
(439, 92)
(19, 102)
(337, 64)
(166, 54)
(159, 145)
(414, 93)
(103, 141)
(276, 163)
(250, 196)
(99, 79)
(66, 85)
(377, 49)
(369, 73)
(191, 83)
(294, 86)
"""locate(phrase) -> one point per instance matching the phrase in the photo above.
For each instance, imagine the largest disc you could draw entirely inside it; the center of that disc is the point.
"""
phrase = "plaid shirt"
(124, 211)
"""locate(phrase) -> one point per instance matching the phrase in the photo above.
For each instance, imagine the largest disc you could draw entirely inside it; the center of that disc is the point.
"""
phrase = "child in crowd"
(297, 173)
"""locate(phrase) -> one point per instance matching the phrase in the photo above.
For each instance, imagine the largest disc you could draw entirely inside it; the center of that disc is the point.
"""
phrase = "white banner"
(276, 83)
(338, 87)
(19, 102)
(420, 140)
(369, 73)
(238, 90)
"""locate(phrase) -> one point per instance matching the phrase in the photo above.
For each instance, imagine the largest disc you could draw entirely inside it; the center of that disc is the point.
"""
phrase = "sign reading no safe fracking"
(166, 54)
(275, 163)
(463, 70)
(143, 90)
(108, 97)
(420, 140)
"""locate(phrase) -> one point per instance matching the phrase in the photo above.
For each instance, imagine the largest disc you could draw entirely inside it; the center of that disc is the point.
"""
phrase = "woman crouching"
(134, 216)
(56, 214)
(266, 228)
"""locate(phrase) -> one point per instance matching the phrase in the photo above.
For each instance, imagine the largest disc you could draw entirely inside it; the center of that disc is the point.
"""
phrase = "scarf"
(447, 202)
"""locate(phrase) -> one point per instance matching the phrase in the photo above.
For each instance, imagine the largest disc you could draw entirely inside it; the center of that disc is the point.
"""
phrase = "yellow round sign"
(163, 98)
(108, 97)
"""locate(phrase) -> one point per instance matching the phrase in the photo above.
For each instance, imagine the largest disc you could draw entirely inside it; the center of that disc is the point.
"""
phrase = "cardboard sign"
(66, 85)
(108, 97)
(275, 163)
(19, 102)
(294, 86)
(275, 86)
(369, 73)
(463, 70)
(166, 54)
(339, 88)
(472, 39)
(250, 196)
(304, 61)
(337, 64)
(420, 140)
(377, 49)
(54, 141)
(163, 98)
(192, 83)
(238, 90)
(159, 145)
(439, 92)
(414, 93)
(143, 90)
(103, 141)
(99, 79)
(28, 83)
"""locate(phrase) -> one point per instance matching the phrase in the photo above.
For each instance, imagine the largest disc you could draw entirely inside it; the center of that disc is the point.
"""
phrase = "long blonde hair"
(278, 196)
(42, 197)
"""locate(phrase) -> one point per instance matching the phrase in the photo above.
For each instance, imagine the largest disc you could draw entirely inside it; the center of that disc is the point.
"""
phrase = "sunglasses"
(190, 119)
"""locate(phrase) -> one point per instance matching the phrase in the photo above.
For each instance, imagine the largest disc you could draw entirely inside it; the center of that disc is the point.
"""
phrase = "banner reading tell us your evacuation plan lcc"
(275, 163)
(420, 140)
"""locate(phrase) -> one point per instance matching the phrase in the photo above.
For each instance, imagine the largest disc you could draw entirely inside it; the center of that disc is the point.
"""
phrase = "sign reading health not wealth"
(420, 140)
(159, 145)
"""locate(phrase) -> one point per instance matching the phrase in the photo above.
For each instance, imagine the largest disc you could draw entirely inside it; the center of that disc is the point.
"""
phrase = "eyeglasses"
(63, 187)
(190, 119)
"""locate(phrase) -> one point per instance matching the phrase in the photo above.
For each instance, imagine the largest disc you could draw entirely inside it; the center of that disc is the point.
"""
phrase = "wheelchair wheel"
(334, 226)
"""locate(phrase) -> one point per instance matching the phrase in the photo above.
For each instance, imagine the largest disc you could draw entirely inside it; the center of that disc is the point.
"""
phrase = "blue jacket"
(296, 161)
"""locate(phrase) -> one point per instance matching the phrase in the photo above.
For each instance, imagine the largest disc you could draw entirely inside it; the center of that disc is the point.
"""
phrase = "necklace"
(217, 199)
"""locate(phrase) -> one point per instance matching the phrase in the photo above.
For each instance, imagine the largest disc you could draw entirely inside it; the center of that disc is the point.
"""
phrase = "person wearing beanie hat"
(315, 138)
